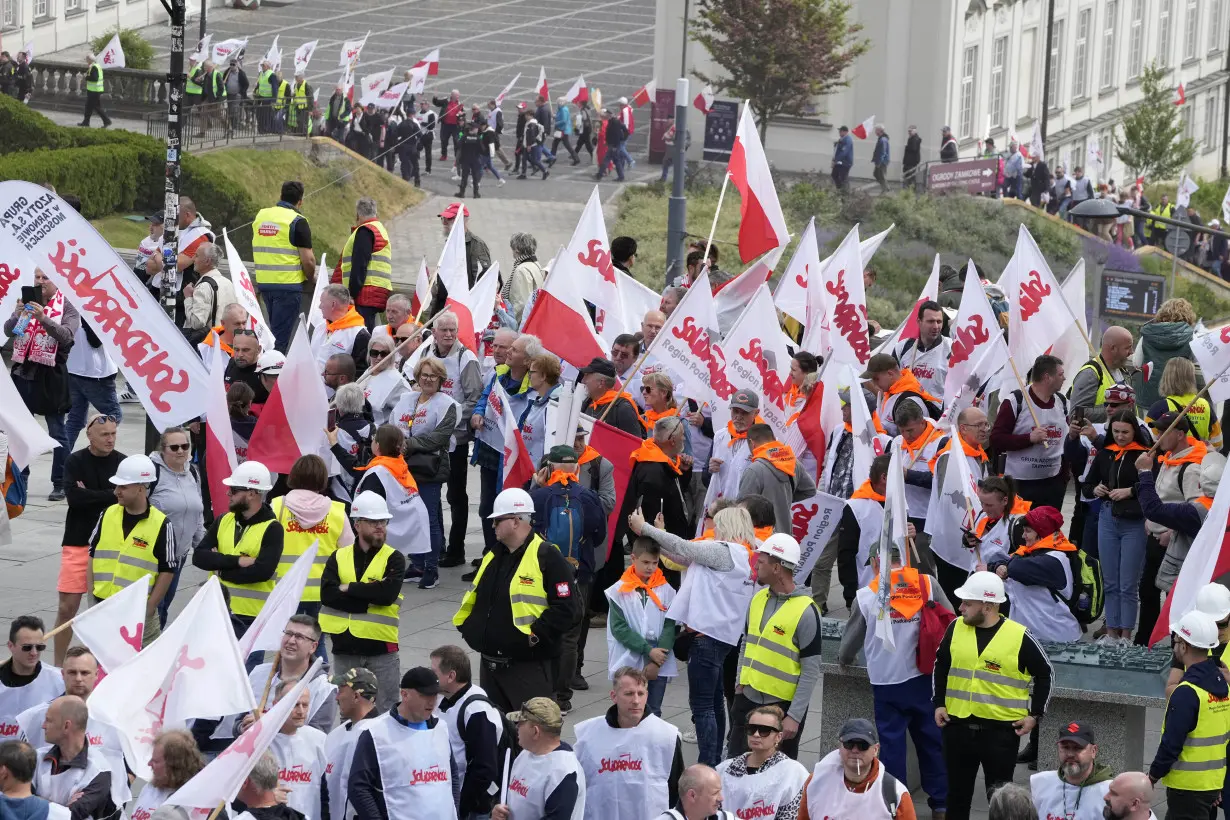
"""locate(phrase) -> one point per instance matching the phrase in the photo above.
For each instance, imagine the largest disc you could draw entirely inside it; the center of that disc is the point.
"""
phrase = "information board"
(1130, 295)
(721, 123)
(661, 118)
(973, 176)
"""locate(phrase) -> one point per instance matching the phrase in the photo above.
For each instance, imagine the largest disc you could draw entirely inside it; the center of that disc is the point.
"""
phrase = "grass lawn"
(120, 231)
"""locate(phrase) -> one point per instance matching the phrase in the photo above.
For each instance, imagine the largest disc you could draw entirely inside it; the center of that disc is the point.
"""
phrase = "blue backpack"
(565, 529)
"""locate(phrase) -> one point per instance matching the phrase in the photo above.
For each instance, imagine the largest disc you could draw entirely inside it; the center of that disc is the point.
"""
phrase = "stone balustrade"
(61, 85)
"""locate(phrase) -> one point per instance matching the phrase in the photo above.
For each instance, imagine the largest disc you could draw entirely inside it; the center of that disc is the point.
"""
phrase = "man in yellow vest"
(93, 93)
(244, 546)
(299, 118)
(779, 659)
(1191, 755)
(282, 260)
(981, 691)
(132, 542)
(1104, 371)
(521, 604)
(267, 84)
(360, 590)
(1158, 230)
(366, 265)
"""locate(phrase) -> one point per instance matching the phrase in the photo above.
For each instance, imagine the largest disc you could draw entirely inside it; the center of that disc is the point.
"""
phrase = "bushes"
(98, 175)
(138, 53)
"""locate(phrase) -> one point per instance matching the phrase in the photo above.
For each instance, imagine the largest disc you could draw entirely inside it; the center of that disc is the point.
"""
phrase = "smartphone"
(1080, 415)
(332, 418)
(31, 293)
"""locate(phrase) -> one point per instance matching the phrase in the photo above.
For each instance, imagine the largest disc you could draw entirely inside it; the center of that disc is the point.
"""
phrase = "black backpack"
(508, 732)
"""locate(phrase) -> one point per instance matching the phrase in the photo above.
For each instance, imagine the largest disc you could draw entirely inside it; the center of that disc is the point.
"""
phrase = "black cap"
(859, 729)
(422, 680)
(155, 217)
(1163, 416)
(1078, 732)
(601, 366)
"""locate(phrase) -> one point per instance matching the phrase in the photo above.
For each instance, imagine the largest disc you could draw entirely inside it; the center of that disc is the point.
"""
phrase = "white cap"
(270, 363)
(370, 506)
(251, 475)
(1198, 629)
(512, 502)
(986, 587)
(136, 469)
(623, 100)
(781, 546)
(1215, 600)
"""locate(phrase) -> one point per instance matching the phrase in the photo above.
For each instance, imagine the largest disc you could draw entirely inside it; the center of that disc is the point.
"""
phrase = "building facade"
(977, 65)
(52, 25)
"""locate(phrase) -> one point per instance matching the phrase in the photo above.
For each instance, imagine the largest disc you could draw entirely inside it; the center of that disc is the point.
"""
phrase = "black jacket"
(1031, 660)
(1116, 474)
(482, 750)
(358, 596)
(623, 416)
(207, 557)
(913, 152)
(87, 503)
(615, 133)
(656, 488)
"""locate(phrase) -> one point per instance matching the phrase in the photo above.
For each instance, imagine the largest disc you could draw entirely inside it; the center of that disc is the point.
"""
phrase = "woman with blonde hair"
(1167, 337)
(658, 393)
(544, 374)
(1177, 389)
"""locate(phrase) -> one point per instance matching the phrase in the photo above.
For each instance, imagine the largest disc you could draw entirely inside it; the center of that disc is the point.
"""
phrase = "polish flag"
(762, 226)
(615, 446)
(501, 433)
(704, 102)
(542, 83)
(245, 294)
(908, 329)
(220, 457)
(431, 61)
(219, 783)
(350, 51)
(975, 335)
(451, 271)
(1208, 558)
(646, 94)
(587, 262)
(421, 298)
(579, 92)
(864, 128)
(113, 628)
(499, 98)
(480, 301)
(193, 670)
(1180, 97)
(808, 421)
(293, 420)
(265, 633)
(560, 319)
(113, 55)
(732, 297)
(417, 83)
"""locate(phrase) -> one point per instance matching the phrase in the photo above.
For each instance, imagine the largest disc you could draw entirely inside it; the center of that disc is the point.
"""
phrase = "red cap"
(521, 106)
(450, 212)
(1044, 520)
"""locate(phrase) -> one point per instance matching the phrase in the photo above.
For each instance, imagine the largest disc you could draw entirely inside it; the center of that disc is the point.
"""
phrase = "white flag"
(202, 49)
(1201, 563)
(27, 438)
(689, 347)
(373, 85)
(392, 96)
(792, 293)
(813, 523)
(265, 633)
(1212, 352)
(499, 98)
(587, 261)
(113, 628)
(1073, 346)
(303, 56)
(350, 51)
(975, 332)
(845, 306)
(868, 441)
(892, 535)
(758, 359)
(113, 55)
(245, 294)
(417, 83)
(1187, 187)
(1037, 315)
(1035, 142)
(954, 506)
(225, 50)
(908, 329)
(274, 56)
(316, 319)
(1225, 210)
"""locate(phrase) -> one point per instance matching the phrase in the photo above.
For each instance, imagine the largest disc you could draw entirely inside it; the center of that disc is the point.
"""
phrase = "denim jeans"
(283, 307)
(705, 697)
(85, 392)
(623, 153)
(1121, 547)
(535, 159)
(906, 707)
(427, 561)
(657, 693)
(667, 162)
(612, 158)
(488, 165)
(55, 429)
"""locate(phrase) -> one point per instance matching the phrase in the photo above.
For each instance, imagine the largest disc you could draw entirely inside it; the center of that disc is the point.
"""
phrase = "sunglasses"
(646, 389)
(856, 745)
(102, 418)
(377, 354)
(179, 448)
(236, 490)
(28, 647)
(760, 730)
(245, 331)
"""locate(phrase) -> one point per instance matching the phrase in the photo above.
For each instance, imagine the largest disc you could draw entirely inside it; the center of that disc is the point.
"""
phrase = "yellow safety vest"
(379, 623)
(1202, 763)
(95, 85)
(282, 93)
(192, 86)
(527, 592)
(300, 105)
(380, 268)
(991, 685)
(1165, 212)
(120, 560)
(274, 259)
(264, 84)
(1200, 416)
(296, 541)
(1098, 366)
(246, 599)
(771, 662)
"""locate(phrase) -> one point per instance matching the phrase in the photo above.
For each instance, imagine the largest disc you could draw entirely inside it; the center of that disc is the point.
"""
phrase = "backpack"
(508, 734)
(198, 335)
(1088, 598)
(1018, 400)
(15, 489)
(565, 528)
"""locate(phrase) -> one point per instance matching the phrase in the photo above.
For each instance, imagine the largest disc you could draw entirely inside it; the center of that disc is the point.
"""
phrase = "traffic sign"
(974, 176)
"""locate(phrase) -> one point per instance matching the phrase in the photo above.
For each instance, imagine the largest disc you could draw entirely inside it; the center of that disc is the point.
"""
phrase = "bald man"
(1129, 798)
(651, 326)
(1108, 368)
(700, 796)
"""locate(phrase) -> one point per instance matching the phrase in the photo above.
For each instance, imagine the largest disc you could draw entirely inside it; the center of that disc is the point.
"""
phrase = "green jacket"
(1159, 343)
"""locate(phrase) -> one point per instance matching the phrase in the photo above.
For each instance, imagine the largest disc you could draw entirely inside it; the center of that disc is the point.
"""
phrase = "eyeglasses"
(297, 636)
(426, 375)
(646, 389)
(179, 448)
(760, 730)
(102, 418)
(29, 647)
(236, 490)
(856, 745)
(245, 331)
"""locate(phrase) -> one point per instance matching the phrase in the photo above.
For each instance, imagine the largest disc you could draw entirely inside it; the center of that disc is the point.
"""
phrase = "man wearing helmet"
(242, 547)
(132, 542)
(1212, 599)
(521, 604)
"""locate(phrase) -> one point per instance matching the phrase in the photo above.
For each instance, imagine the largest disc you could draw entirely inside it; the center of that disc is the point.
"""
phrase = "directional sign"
(974, 176)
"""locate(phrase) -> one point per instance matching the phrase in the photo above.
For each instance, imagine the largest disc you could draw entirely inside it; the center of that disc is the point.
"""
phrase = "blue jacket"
(843, 151)
(563, 119)
(551, 496)
(1036, 570)
(1180, 516)
(484, 455)
(1183, 712)
(880, 156)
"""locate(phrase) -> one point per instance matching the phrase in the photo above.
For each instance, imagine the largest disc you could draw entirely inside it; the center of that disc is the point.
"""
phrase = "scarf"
(561, 477)
(794, 395)
(1020, 506)
(778, 455)
(216, 335)
(631, 582)
(1204, 501)
(39, 347)
(396, 466)
(865, 491)
(914, 448)
(1195, 453)
(1120, 452)
(984, 523)
(1054, 541)
(351, 319)
(969, 449)
(735, 435)
(589, 455)
(906, 597)
(650, 451)
(906, 383)
(651, 416)
(610, 396)
(763, 533)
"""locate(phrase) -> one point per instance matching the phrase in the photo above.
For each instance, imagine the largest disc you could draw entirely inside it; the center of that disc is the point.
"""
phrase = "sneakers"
(689, 736)
(501, 181)
(597, 622)
(545, 174)
(412, 572)
(578, 683)
(429, 582)
(565, 706)
(522, 176)
(57, 494)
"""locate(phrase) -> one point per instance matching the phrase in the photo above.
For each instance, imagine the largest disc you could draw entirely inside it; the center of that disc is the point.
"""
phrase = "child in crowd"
(638, 633)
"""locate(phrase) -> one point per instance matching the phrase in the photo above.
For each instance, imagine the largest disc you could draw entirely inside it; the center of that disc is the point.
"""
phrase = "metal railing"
(234, 121)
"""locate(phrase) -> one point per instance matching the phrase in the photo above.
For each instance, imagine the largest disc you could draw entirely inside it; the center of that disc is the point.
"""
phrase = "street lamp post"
(677, 214)
(1046, 68)
(177, 9)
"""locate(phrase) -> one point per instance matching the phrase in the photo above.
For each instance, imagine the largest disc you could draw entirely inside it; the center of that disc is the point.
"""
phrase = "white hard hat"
(781, 546)
(984, 586)
(512, 502)
(1215, 600)
(136, 469)
(270, 363)
(370, 506)
(251, 475)
(623, 100)
(1198, 629)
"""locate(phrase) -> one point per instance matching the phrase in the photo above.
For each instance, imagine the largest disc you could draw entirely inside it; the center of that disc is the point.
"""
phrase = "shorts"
(74, 567)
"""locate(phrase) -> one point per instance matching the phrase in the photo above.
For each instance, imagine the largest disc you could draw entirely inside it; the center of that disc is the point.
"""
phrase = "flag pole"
(273, 670)
(1025, 395)
(716, 213)
(59, 629)
(1151, 451)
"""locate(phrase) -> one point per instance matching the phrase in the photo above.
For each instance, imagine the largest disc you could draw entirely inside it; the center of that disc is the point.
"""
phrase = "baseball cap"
(1119, 394)
(745, 400)
(543, 711)
(859, 729)
(422, 680)
(879, 363)
(562, 454)
(601, 366)
(1163, 416)
(1078, 732)
(450, 211)
(521, 106)
(362, 681)
(155, 217)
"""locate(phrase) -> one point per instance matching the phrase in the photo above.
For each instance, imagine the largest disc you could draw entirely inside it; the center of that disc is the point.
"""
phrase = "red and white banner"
(758, 359)
(704, 101)
(224, 50)
(791, 295)
(587, 262)
(731, 298)
(113, 628)
(303, 56)
(579, 92)
(542, 83)
(245, 294)
(27, 438)
(499, 98)
(813, 522)
(293, 421)
(864, 128)
(452, 272)
(421, 297)
(431, 62)
(1037, 315)
(392, 96)
(977, 346)
(157, 362)
(499, 431)
(265, 633)
(762, 225)
(844, 322)
(1208, 558)
(645, 94)
(113, 55)
(220, 456)
(193, 670)
(373, 85)
(560, 319)
(1212, 352)
(350, 51)
(689, 347)
(480, 302)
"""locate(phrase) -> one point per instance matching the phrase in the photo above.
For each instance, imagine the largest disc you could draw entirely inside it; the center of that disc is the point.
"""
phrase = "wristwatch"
(533, 639)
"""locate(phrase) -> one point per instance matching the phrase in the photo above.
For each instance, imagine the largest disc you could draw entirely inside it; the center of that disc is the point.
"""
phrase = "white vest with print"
(382, 392)
(646, 620)
(1037, 462)
(1036, 608)
(534, 425)
(337, 341)
(886, 666)
(60, 788)
(535, 777)
(828, 797)
(626, 770)
(410, 416)
(148, 801)
(408, 528)
(930, 367)
(14, 700)
(339, 754)
(455, 362)
(715, 603)
(870, 516)
(415, 769)
(761, 795)
(301, 765)
(102, 736)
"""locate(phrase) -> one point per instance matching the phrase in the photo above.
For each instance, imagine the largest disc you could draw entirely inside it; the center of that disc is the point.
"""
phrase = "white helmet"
(1198, 629)
(985, 587)
(512, 502)
(781, 546)
(136, 469)
(1215, 600)
(270, 363)
(251, 475)
(370, 506)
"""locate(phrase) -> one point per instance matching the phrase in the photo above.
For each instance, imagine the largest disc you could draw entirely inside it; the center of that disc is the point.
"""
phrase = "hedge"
(98, 175)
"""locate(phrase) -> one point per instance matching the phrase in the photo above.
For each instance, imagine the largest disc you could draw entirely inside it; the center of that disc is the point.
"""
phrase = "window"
(1185, 117)
(999, 58)
(1109, 28)
(1163, 32)
(1217, 21)
(71, 6)
(1136, 40)
(10, 16)
(1027, 94)
(968, 71)
(42, 8)
(1211, 122)
(1056, 59)
(1190, 33)
(1080, 155)
(1080, 60)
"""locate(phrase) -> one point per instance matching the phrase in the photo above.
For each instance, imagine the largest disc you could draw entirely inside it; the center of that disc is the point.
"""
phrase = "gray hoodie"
(807, 641)
(178, 497)
(762, 478)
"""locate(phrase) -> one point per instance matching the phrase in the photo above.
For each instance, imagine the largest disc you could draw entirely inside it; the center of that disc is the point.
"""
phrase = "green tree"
(138, 53)
(780, 54)
(1152, 142)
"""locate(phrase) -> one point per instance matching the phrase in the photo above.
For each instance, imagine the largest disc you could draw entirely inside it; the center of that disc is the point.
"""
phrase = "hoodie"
(26, 808)
(762, 478)
(1183, 712)
(178, 496)
(310, 509)
(1159, 343)
(1185, 517)
(806, 640)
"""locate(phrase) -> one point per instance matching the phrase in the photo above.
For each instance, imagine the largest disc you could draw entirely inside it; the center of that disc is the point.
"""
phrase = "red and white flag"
(220, 456)
(373, 85)
(1037, 315)
(978, 350)
(762, 225)
(193, 670)
(542, 83)
(560, 319)
(265, 633)
(480, 301)
(908, 329)
(499, 98)
(646, 93)
(245, 294)
(452, 272)
(844, 307)
(587, 261)
(431, 62)
(422, 290)
(219, 782)
(813, 523)
(293, 421)
(579, 92)
(303, 56)
(732, 297)
(417, 82)
(1180, 97)
(689, 347)
(113, 628)
(704, 100)
(864, 128)
(392, 96)
(500, 432)
(1208, 558)
(350, 51)
(113, 55)
(759, 360)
